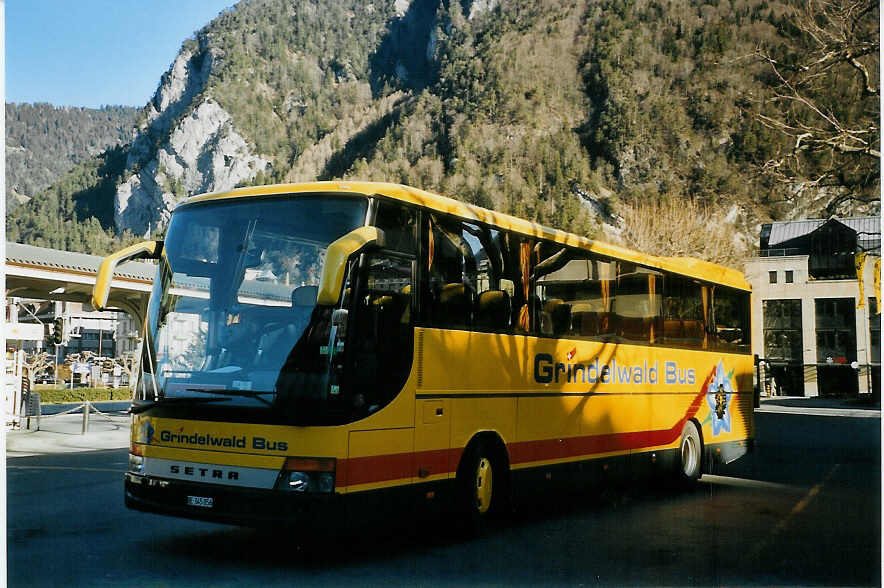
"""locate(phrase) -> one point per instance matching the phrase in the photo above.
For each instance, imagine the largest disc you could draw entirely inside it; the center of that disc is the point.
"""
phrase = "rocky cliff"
(186, 145)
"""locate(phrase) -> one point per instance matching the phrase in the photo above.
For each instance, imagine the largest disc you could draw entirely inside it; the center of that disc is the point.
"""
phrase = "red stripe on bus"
(397, 466)
(377, 468)
(547, 449)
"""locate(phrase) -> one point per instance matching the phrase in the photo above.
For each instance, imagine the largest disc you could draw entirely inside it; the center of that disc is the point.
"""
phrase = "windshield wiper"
(138, 408)
(257, 394)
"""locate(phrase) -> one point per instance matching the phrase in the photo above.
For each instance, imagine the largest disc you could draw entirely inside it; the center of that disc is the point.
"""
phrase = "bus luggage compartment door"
(432, 440)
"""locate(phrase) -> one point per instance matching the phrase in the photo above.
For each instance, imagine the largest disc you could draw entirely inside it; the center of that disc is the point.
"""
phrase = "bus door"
(381, 346)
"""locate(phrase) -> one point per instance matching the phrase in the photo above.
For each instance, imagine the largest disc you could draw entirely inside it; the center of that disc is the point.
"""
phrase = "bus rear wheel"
(690, 454)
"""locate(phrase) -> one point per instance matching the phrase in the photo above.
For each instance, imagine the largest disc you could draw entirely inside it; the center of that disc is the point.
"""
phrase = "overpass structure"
(52, 274)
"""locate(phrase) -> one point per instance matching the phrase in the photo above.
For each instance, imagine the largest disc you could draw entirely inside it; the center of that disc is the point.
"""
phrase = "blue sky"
(95, 52)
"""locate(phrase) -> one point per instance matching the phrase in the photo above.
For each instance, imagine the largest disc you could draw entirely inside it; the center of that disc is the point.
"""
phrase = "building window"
(783, 347)
(832, 249)
(782, 330)
(773, 277)
(790, 276)
(835, 330)
(874, 331)
(836, 346)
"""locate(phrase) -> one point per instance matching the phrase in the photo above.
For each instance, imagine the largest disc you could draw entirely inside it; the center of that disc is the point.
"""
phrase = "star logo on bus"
(146, 432)
(718, 396)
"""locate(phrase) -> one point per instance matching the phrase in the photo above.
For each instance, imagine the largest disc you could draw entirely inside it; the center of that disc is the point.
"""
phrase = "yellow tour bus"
(332, 348)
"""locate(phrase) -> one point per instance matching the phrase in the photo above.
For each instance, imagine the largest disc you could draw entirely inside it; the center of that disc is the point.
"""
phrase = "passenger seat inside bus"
(454, 307)
(684, 331)
(556, 317)
(275, 344)
(493, 311)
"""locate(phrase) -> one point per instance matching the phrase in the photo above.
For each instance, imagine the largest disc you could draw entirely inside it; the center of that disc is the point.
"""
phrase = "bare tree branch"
(868, 89)
(824, 96)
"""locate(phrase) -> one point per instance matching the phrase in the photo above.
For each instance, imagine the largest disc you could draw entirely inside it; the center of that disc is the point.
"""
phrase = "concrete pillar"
(12, 313)
(863, 345)
(808, 341)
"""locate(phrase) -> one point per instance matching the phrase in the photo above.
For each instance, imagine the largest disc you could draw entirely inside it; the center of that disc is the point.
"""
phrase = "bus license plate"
(201, 501)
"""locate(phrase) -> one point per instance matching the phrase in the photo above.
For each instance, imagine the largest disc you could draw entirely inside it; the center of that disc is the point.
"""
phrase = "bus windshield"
(235, 294)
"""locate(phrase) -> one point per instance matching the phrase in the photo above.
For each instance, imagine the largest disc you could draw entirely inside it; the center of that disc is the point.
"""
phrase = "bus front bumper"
(231, 505)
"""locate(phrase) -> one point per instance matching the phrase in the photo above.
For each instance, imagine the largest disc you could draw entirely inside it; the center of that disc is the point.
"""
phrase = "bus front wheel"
(690, 454)
(480, 482)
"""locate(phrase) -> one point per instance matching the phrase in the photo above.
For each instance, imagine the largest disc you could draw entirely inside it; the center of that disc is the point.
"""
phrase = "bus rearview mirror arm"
(143, 250)
(336, 257)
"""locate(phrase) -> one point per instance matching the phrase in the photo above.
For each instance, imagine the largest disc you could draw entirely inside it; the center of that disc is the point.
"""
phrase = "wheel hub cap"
(484, 483)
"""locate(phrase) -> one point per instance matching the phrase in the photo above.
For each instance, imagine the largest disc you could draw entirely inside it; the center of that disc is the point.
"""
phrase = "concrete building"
(106, 333)
(816, 319)
(90, 330)
(127, 335)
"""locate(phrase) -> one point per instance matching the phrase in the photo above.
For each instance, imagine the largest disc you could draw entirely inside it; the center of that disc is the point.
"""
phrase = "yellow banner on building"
(860, 260)
(878, 285)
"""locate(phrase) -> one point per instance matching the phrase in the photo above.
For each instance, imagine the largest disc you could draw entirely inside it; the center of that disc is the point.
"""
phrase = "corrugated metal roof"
(867, 227)
(54, 259)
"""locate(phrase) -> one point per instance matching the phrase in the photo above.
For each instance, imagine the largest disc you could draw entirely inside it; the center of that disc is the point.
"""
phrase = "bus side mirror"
(143, 250)
(336, 257)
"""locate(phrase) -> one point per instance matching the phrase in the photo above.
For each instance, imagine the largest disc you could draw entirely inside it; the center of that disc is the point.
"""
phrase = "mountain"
(584, 115)
(43, 142)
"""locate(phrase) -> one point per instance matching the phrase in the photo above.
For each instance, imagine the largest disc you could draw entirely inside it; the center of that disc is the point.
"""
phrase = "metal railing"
(864, 372)
(32, 409)
(779, 252)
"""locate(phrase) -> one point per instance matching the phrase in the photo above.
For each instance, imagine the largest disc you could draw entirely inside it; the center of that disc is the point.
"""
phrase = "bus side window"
(730, 318)
(685, 310)
(578, 291)
(638, 304)
(554, 291)
(493, 311)
(519, 257)
(451, 274)
(398, 223)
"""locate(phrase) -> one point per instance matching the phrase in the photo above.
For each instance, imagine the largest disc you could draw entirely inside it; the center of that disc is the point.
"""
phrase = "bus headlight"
(136, 464)
(299, 482)
(307, 474)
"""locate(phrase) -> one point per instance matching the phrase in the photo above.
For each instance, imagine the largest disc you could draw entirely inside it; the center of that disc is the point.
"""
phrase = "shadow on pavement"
(408, 536)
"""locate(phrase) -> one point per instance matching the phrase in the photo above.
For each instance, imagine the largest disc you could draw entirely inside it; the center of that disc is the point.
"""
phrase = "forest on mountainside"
(44, 142)
(534, 108)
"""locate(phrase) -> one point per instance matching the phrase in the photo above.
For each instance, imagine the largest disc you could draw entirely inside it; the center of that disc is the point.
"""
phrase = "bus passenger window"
(493, 311)
(578, 296)
(452, 275)
(519, 258)
(685, 304)
(638, 304)
(550, 277)
(730, 319)
(398, 223)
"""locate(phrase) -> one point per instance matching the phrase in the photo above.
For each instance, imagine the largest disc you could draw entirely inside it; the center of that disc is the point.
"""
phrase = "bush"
(50, 395)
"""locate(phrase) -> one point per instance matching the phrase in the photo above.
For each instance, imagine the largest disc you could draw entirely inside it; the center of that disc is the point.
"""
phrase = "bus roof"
(687, 266)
